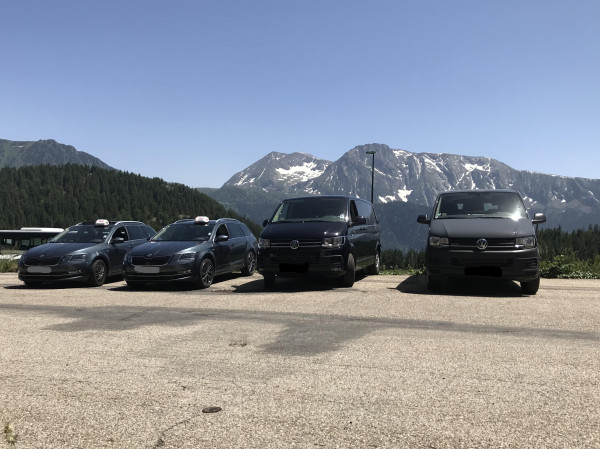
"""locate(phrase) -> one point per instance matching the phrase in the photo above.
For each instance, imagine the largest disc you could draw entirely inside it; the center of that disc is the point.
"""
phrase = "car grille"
(44, 261)
(141, 260)
(302, 243)
(493, 244)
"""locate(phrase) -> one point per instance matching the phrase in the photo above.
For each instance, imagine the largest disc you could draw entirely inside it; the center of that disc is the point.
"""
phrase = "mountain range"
(405, 184)
(19, 154)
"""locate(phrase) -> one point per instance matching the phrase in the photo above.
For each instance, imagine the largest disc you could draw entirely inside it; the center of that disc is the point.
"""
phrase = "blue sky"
(195, 91)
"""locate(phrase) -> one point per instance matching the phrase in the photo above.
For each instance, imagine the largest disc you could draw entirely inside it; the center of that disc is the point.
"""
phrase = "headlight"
(438, 242)
(264, 243)
(187, 256)
(77, 257)
(527, 242)
(333, 242)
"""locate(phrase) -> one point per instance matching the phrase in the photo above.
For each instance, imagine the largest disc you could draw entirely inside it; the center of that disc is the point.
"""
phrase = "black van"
(329, 235)
(474, 233)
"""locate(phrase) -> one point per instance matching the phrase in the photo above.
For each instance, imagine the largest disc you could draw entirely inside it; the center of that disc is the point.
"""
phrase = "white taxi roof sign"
(201, 219)
(102, 222)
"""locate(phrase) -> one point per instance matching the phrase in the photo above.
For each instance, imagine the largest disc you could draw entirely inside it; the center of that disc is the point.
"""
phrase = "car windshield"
(480, 205)
(83, 234)
(184, 232)
(311, 209)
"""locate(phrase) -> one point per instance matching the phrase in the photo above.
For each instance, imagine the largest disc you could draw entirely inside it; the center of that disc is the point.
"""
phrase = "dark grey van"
(475, 233)
(329, 235)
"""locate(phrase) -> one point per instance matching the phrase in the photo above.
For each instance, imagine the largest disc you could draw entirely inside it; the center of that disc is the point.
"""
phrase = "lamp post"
(372, 171)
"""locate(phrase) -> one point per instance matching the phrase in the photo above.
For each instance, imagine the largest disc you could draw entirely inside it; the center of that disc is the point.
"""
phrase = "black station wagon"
(474, 233)
(320, 235)
(194, 251)
(88, 252)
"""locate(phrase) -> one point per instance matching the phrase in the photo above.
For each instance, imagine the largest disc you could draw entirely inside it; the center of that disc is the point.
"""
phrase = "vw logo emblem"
(295, 244)
(482, 244)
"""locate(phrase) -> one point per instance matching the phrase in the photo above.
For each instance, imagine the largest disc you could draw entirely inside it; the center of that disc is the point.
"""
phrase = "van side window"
(366, 210)
(353, 211)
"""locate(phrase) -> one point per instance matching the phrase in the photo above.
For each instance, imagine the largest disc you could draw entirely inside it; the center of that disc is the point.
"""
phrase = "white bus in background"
(16, 241)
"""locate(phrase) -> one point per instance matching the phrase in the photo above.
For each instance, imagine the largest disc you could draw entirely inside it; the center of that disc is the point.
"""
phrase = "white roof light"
(201, 219)
(102, 222)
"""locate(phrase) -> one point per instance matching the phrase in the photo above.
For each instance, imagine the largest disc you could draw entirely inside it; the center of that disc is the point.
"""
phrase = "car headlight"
(438, 242)
(77, 258)
(333, 242)
(187, 256)
(527, 242)
(264, 243)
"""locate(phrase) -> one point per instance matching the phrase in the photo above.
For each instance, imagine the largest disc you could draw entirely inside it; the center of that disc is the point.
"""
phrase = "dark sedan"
(194, 251)
(88, 252)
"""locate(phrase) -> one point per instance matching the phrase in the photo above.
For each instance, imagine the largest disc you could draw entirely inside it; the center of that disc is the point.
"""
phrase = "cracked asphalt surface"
(384, 364)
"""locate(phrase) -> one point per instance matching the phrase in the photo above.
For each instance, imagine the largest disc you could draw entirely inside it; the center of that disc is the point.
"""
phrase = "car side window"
(148, 231)
(135, 231)
(235, 230)
(221, 230)
(121, 232)
(246, 230)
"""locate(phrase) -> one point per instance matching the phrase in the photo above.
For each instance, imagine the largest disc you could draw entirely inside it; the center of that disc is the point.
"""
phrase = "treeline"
(579, 250)
(59, 196)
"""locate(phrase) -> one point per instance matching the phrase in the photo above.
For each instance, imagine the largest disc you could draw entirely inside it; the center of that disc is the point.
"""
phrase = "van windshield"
(480, 205)
(312, 209)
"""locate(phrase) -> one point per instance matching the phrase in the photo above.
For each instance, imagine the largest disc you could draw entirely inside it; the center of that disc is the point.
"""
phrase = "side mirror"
(539, 218)
(117, 240)
(222, 238)
(265, 223)
(423, 219)
(359, 221)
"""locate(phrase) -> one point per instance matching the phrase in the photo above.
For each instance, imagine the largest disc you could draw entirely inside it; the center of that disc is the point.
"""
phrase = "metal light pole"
(372, 171)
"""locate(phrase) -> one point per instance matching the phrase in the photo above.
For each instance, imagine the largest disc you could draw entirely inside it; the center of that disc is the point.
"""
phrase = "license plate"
(146, 270)
(42, 270)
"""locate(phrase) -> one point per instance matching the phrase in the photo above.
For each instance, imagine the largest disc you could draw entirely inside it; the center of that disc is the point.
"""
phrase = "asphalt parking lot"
(384, 364)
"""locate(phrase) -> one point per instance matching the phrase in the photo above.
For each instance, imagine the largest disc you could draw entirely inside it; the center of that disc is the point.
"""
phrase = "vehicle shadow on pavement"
(181, 286)
(484, 287)
(294, 284)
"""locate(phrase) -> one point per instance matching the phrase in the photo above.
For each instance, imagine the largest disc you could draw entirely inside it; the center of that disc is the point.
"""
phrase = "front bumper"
(160, 273)
(53, 273)
(517, 265)
(317, 261)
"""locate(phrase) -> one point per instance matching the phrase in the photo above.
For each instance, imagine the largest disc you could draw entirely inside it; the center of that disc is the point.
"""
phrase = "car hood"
(303, 230)
(481, 227)
(165, 248)
(58, 249)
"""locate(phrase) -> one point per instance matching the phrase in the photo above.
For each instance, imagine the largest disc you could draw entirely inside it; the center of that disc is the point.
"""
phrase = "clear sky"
(194, 91)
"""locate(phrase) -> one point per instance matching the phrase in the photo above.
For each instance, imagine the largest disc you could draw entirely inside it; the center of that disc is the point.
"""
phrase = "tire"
(206, 273)
(250, 266)
(269, 280)
(434, 284)
(530, 287)
(374, 269)
(350, 275)
(97, 273)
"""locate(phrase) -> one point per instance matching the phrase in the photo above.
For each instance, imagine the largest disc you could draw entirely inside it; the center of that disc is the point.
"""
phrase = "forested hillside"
(59, 196)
